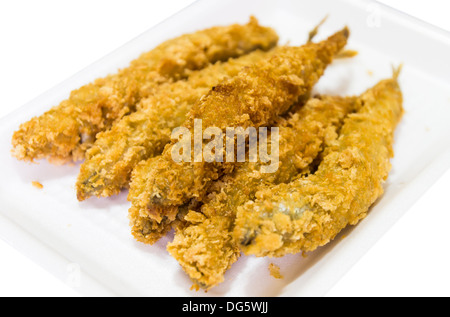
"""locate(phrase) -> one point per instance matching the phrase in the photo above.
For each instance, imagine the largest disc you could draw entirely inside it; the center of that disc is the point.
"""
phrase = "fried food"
(310, 211)
(205, 247)
(65, 132)
(253, 98)
(144, 133)
(148, 230)
(328, 160)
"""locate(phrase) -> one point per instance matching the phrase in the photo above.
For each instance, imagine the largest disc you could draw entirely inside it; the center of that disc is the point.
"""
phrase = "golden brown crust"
(310, 211)
(66, 131)
(149, 230)
(144, 133)
(255, 97)
(206, 249)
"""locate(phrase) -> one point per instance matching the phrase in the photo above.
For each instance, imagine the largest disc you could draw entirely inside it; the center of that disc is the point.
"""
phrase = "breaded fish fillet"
(253, 98)
(310, 211)
(148, 230)
(205, 248)
(66, 131)
(144, 133)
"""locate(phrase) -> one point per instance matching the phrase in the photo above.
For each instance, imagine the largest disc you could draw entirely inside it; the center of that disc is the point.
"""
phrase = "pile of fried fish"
(333, 151)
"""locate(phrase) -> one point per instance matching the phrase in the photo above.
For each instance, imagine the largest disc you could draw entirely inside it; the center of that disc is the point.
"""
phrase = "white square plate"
(89, 244)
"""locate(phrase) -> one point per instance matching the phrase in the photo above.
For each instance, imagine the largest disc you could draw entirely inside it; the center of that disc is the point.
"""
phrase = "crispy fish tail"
(312, 34)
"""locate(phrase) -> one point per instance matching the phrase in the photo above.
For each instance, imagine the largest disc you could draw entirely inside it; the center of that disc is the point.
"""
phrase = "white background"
(44, 42)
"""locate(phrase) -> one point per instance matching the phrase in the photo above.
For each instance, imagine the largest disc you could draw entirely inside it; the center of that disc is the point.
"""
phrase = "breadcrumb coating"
(144, 133)
(253, 98)
(310, 211)
(148, 230)
(66, 131)
(206, 249)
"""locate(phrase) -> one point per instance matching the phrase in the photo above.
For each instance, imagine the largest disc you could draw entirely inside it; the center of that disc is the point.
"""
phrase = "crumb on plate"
(275, 271)
(347, 54)
(37, 184)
